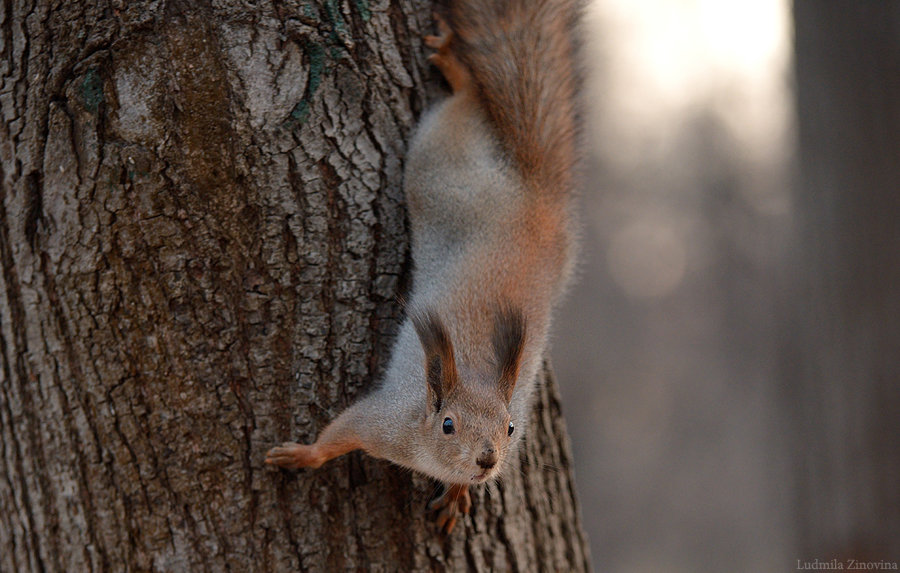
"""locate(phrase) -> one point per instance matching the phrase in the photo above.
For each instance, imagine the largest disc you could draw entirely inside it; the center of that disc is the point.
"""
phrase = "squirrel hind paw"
(447, 507)
(453, 70)
(441, 41)
(446, 61)
(444, 30)
(435, 42)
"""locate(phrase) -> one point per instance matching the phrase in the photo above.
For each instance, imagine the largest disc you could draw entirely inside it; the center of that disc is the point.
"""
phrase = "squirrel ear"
(440, 366)
(509, 344)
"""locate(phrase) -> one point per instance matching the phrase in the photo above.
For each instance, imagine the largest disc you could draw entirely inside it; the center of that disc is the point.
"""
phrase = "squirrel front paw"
(292, 455)
(448, 506)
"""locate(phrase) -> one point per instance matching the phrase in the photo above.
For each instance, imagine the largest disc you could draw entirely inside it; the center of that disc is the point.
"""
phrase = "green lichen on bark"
(315, 54)
(92, 89)
(362, 6)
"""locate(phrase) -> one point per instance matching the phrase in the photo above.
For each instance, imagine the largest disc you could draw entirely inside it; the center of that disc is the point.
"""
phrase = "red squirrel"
(489, 182)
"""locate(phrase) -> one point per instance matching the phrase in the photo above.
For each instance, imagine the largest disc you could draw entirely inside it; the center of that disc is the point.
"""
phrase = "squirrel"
(488, 181)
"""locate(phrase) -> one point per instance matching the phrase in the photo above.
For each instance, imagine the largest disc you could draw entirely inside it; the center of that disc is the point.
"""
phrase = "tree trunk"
(848, 398)
(202, 235)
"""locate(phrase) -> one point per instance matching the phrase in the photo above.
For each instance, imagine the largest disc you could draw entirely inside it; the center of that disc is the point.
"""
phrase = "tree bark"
(202, 236)
(845, 370)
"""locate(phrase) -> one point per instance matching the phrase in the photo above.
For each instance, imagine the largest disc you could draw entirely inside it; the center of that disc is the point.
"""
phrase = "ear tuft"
(509, 345)
(440, 365)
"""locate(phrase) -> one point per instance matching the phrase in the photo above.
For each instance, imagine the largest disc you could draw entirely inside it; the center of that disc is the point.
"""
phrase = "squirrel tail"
(520, 54)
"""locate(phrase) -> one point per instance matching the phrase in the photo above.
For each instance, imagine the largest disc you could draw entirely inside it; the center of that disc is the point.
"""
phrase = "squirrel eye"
(511, 429)
(448, 426)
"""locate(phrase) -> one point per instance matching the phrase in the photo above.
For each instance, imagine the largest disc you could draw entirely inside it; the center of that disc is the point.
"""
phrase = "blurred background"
(729, 357)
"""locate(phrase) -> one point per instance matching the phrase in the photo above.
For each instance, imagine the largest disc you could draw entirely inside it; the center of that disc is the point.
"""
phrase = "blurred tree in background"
(729, 359)
(844, 365)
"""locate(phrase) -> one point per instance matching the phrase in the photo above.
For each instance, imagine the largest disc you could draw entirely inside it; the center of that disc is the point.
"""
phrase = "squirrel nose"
(487, 459)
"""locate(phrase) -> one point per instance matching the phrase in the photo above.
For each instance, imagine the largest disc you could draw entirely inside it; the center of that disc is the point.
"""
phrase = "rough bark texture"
(848, 398)
(202, 234)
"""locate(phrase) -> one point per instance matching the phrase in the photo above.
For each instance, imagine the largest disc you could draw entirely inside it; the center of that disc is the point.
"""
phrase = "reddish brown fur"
(520, 56)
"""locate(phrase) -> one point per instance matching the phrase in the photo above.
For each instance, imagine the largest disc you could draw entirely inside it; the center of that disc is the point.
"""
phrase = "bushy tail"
(520, 56)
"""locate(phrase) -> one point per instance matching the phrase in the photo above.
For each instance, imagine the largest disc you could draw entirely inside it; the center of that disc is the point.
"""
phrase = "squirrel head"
(467, 422)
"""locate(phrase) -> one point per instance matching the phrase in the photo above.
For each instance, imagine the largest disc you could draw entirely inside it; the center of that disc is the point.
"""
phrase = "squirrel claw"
(448, 506)
(292, 456)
